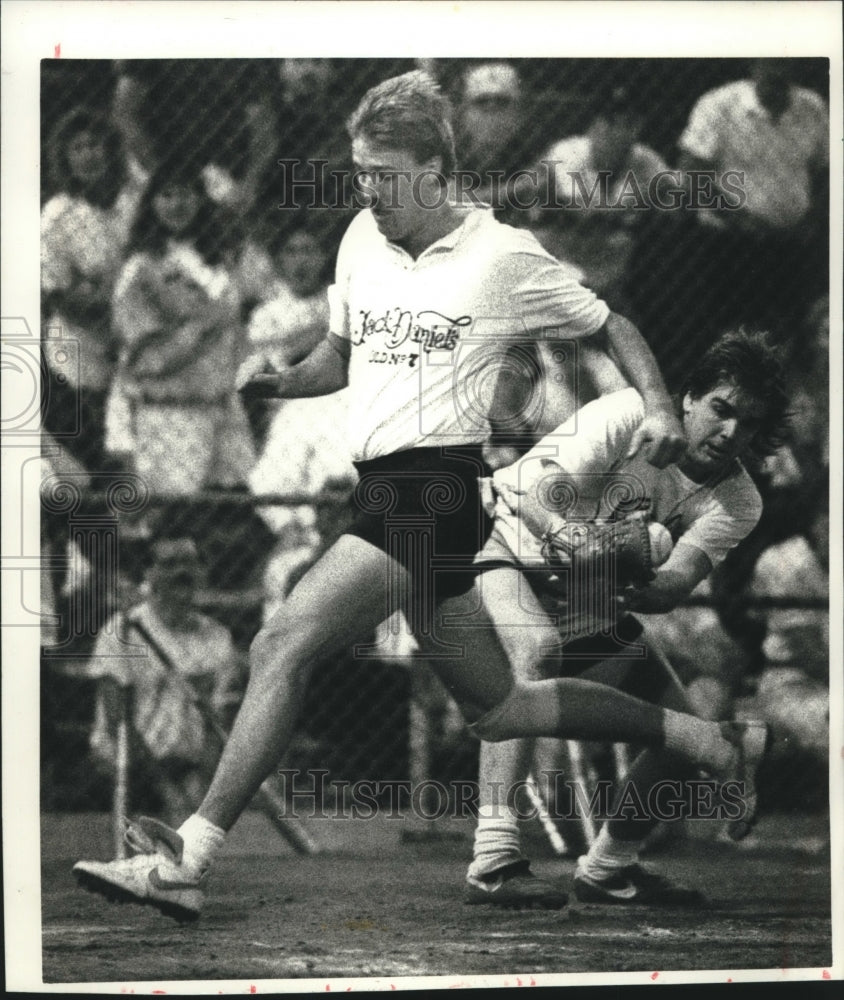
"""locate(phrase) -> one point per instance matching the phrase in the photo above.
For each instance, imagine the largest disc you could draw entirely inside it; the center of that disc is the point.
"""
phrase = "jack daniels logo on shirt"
(429, 329)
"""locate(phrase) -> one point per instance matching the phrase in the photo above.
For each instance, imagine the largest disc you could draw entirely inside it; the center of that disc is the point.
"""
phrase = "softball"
(661, 544)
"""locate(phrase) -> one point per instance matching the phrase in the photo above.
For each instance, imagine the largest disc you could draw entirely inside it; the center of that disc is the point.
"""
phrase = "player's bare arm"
(674, 581)
(660, 435)
(323, 371)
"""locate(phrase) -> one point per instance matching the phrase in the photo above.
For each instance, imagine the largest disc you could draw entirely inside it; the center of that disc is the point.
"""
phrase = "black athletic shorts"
(422, 507)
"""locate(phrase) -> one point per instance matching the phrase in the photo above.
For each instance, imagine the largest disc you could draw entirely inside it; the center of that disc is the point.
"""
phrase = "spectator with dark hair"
(84, 230)
(177, 311)
(766, 252)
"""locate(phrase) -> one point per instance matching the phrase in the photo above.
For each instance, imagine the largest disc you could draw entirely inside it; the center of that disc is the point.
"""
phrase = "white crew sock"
(606, 856)
(701, 741)
(496, 841)
(203, 841)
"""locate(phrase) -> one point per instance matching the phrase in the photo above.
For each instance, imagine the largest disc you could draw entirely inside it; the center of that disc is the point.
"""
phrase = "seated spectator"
(84, 230)
(173, 746)
(163, 111)
(595, 229)
(772, 248)
(177, 313)
(295, 317)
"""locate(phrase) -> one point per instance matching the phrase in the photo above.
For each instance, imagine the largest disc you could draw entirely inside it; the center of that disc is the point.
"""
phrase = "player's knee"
(507, 720)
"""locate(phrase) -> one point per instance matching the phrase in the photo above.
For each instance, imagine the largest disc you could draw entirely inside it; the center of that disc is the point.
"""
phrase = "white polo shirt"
(425, 334)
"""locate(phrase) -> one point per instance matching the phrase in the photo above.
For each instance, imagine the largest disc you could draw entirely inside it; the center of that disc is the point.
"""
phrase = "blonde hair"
(408, 112)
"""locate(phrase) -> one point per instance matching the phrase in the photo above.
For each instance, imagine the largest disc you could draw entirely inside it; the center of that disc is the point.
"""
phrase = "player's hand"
(512, 497)
(499, 456)
(660, 438)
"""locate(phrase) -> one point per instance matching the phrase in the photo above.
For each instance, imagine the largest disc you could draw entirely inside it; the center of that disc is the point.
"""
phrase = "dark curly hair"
(84, 119)
(214, 231)
(750, 362)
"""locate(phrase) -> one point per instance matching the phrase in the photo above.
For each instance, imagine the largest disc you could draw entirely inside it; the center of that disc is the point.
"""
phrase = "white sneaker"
(752, 740)
(155, 876)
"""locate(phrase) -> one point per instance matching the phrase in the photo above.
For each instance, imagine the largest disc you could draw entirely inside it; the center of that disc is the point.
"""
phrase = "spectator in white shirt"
(772, 248)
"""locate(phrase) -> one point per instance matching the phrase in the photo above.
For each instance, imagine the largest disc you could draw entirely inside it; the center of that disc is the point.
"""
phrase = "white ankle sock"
(700, 740)
(607, 855)
(203, 841)
(496, 841)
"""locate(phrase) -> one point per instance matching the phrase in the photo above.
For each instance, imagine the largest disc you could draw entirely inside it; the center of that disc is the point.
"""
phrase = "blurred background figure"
(294, 317)
(495, 134)
(172, 747)
(488, 116)
(768, 257)
(85, 226)
(217, 112)
(597, 233)
(177, 313)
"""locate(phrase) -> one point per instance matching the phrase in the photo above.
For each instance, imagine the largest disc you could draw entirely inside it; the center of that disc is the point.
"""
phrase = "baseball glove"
(615, 549)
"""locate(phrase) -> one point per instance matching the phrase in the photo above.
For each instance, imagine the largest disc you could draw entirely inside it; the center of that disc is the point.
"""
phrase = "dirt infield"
(379, 908)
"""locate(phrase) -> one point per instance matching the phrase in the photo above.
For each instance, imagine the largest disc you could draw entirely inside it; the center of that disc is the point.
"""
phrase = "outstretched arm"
(323, 371)
(674, 581)
(660, 435)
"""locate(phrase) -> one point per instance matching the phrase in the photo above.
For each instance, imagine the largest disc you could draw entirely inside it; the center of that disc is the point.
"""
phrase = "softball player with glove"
(427, 289)
(583, 535)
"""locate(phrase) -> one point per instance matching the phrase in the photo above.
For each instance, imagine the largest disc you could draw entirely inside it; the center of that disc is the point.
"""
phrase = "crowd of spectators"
(181, 235)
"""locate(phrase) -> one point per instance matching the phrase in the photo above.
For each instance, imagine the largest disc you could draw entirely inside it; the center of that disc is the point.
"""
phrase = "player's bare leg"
(610, 871)
(499, 874)
(341, 599)
(496, 621)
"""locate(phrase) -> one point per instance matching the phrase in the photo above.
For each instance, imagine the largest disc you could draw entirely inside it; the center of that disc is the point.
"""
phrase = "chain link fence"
(190, 219)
